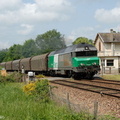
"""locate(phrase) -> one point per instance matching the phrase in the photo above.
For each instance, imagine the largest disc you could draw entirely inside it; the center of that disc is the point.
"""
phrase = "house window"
(110, 62)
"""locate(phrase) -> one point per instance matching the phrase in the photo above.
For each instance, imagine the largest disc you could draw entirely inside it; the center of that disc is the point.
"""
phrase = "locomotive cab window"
(86, 53)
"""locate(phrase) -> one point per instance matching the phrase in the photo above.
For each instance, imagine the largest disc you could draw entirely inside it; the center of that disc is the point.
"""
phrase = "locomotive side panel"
(59, 61)
(50, 62)
(64, 61)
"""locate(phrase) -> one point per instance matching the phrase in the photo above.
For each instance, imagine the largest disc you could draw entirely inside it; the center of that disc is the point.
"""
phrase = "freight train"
(77, 61)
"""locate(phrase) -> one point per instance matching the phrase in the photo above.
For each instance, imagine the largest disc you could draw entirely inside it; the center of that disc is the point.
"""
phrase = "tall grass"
(16, 105)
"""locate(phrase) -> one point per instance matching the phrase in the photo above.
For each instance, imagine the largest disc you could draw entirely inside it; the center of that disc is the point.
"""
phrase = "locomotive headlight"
(82, 64)
(94, 63)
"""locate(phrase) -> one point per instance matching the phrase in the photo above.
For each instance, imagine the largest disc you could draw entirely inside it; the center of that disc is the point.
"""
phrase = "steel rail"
(103, 82)
(107, 80)
(78, 87)
(89, 85)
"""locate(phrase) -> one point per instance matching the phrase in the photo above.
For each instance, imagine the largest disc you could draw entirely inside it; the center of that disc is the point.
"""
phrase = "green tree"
(29, 48)
(14, 52)
(49, 41)
(83, 40)
(3, 54)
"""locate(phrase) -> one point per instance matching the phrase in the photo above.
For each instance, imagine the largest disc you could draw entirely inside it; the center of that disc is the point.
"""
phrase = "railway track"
(112, 82)
(88, 87)
(105, 80)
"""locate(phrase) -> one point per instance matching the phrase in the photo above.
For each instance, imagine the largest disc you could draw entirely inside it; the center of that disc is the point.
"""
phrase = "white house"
(108, 45)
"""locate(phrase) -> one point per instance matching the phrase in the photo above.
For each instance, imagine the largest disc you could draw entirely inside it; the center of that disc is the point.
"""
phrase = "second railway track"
(88, 87)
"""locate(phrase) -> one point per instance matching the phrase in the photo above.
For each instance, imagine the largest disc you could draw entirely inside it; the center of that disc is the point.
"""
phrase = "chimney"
(111, 30)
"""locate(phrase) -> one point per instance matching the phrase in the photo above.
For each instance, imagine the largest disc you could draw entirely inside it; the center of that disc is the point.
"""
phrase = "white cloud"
(4, 45)
(83, 32)
(69, 39)
(53, 4)
(22, 20)
(40, 11)
(87, 1)
(26, 29)
(116, 28)
(108, 16)
(88, 32)
(9, 3)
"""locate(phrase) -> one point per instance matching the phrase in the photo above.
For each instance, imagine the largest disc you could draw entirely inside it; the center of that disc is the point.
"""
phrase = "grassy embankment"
(111, 77)
(16, 105)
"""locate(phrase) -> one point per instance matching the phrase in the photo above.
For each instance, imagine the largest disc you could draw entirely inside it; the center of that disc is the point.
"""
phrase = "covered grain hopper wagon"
(3, 65)
(9, 66)
(39, 63)
(25, 64)
(16, 65)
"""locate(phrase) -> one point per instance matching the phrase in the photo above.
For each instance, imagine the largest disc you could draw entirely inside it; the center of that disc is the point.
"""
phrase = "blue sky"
(21, 20)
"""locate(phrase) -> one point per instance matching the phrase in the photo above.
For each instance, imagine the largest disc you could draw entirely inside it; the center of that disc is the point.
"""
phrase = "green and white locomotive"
(77, 61)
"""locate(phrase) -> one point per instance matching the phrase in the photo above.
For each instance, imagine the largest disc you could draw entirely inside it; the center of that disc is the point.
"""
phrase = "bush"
(2, 79)
(40, 76)
(29, 88)
(42, 89)
(17, 77)
(38, 89)
(12, 77)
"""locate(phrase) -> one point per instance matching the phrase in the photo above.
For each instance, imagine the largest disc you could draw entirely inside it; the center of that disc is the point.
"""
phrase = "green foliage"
(13, 77)
(2, 79)
(3, 54)
(108, 117)
(29, 48)
(15, 105)
(14, 52)
(16, 76)
(83, 40)
(44, 43)
(40, 76)
(8, 78)
(42, 90)
(50, 41)
(38, 89)
(0, 68)
(76, 116)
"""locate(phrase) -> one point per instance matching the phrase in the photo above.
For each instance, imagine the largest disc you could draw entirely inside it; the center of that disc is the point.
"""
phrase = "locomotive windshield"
(86, 53)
